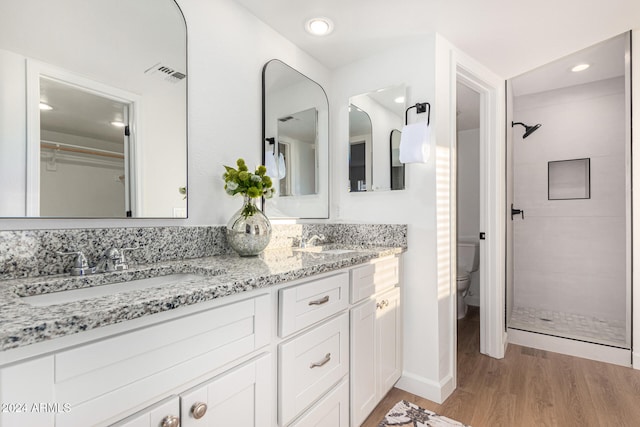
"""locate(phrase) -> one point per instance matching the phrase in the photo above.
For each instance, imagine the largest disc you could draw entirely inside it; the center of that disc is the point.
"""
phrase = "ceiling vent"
(168, 73)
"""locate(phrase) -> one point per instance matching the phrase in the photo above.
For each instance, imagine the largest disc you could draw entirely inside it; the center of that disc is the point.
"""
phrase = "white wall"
(468, 198)
(570, 254)
(428, 339)
(469, 183)
(635, 70)
(13, 136)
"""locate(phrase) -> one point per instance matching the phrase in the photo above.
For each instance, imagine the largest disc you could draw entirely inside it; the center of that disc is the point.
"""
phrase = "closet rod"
(79, 149)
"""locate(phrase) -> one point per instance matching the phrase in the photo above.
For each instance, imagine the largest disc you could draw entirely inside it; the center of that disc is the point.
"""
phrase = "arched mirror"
(372, 145)
(97, 123)
(295, 142)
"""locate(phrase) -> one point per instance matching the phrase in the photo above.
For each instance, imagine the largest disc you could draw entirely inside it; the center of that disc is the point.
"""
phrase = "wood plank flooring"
(530, 388)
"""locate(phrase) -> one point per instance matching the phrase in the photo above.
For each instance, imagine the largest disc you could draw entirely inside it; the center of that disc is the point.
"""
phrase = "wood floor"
(530, 388)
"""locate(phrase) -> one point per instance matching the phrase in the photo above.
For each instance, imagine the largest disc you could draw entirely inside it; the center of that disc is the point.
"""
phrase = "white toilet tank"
(468, 256)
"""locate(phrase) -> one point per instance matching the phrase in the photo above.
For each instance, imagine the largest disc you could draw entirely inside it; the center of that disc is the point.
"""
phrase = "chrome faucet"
(310, 240)
(111, 260)
(80, 264)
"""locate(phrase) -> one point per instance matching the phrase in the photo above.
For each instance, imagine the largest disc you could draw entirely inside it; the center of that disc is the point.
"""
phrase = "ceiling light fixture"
(117, 124)
(45, 107)
(319, 26)
(580, 67)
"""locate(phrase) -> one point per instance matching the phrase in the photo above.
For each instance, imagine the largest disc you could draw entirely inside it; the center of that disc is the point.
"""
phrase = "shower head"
(528, 130)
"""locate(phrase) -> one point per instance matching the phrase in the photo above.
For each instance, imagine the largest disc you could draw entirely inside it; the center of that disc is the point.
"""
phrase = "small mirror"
(570, 179)
(372, 118)
(296, 143)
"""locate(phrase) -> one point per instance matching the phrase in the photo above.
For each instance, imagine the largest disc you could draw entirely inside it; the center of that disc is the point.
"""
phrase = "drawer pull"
(170, 421)
(198, 410)
(382, 304)
(323, 362)
(320, 301)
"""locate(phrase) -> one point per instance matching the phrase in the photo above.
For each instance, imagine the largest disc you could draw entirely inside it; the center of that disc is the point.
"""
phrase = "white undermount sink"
(72, 295)
(321, 250)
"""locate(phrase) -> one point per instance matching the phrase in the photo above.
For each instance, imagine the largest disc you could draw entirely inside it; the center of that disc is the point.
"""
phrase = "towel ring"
(420, 107)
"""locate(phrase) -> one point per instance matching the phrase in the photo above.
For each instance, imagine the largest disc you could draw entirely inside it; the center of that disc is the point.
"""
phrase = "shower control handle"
(516, 212)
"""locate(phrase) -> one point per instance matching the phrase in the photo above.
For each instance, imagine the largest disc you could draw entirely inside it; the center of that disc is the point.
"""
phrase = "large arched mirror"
(93, 112)
(295, 142)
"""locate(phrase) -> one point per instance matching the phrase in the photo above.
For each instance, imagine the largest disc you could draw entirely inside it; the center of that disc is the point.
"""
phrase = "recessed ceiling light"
(399, 100)
(319, 26)
(580, 67)
(45, 107)
(117, 124)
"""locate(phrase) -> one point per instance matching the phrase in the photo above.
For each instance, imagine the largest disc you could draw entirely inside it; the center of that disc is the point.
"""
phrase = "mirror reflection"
(296, 145)
(397, 168)
(97, 126)
(360, 157)
(372, 118)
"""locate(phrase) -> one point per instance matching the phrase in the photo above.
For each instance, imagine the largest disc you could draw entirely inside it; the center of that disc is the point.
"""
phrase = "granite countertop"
(22, 324)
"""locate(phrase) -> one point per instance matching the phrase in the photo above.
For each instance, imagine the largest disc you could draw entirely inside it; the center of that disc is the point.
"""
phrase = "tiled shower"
(571, 182)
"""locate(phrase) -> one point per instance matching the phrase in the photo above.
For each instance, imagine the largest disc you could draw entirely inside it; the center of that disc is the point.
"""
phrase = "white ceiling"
(508, 36)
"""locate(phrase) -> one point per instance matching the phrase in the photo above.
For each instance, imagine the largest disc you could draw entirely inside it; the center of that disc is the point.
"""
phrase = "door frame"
(34, 71)
(493, 337)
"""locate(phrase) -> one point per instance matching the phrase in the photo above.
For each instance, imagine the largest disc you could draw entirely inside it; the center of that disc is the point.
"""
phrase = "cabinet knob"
(198, 410)
(170, 421)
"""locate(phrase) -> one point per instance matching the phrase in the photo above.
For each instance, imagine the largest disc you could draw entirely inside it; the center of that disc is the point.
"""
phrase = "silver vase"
(248, 230)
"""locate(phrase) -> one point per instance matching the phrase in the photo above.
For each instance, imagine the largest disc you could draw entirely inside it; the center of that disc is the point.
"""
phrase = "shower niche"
(569, 179)
(571, 257)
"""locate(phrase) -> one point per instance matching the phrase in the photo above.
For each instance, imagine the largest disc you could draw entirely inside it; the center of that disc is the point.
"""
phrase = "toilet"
(468, 262)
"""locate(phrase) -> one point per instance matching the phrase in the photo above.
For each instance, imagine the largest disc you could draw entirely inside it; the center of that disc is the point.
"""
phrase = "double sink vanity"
(294, 337)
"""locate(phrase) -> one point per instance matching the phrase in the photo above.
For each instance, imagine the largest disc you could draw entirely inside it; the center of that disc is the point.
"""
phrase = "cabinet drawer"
(332, 410)
(310, 364)
(308, 303)
(375, 277)
(110, 376)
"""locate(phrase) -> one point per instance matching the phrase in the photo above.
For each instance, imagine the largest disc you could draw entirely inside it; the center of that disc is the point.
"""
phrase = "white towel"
(415, 143)
(271, 165)
(282, 167)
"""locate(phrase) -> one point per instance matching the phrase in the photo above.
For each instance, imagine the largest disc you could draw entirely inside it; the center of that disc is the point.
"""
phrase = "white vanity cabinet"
(94, 382)
(311, 363)
(376, 335)
(319, 351)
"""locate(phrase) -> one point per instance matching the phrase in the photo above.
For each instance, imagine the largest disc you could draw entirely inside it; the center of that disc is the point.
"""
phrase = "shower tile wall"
(569, 255)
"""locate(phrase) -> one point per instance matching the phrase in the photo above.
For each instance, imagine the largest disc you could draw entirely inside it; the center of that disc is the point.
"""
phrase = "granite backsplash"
(30, 253)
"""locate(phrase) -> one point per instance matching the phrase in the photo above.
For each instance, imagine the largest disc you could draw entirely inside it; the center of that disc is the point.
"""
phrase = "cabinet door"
(331, 411)
(389, 340)
(363, 361)
(241, 397)
(158, 415)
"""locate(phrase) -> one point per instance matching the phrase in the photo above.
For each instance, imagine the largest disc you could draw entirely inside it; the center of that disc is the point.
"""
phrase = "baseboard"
(601, 353)
(426, 388)
(636, 360)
